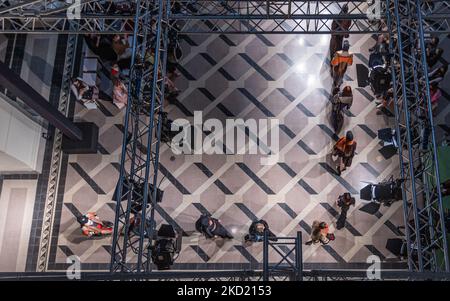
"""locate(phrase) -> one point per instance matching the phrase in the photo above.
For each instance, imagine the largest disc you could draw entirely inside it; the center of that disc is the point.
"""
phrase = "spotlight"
(166, 248)
(138, 191)
(390, 145)
(384, 192)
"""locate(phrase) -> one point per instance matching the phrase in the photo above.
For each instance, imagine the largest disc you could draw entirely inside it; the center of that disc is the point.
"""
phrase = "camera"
(385, 192)
(166, 248)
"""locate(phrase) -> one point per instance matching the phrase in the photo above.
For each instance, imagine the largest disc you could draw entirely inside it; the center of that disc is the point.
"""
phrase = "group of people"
(116, 50)
(437, 70)
(115, 54)
(342, 99)
(211, 228)
(320, 230)
(341, 58)
(113, 51)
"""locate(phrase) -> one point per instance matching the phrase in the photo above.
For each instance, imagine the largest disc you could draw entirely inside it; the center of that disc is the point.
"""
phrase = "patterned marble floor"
(259, 77)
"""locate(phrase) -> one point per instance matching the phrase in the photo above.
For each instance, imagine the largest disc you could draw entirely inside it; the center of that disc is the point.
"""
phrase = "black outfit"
(124, 64)
(337, 119)
(345, 206)
(337, 39)
(434, 53)
(104, 49)
(202, 225)
(256, 236)
(445, 190)
(163, 253)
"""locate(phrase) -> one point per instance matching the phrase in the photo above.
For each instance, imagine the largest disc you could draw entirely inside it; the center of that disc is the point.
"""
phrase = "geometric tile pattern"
(247, 76)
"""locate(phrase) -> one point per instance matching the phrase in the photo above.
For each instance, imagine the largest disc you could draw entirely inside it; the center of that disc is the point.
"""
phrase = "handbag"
(330, 236)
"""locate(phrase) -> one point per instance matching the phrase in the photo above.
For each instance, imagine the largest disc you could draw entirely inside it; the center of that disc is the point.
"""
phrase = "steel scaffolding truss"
(50, 16)
(272, 16)
(435, 15)
(229, 275)
(148, 20)
(205, 16)
(290, 264)
(423, 212)
(135, 196)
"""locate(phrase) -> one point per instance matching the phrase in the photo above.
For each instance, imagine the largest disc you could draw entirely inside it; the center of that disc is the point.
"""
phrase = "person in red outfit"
(92, 225)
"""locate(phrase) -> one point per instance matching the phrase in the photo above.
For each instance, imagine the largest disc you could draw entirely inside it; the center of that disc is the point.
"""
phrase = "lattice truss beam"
(274, 16)
(423, 212)
(148, 21)
(47, 16)
(135, 199)
(302, 16)
(290, 264)
(208, 16)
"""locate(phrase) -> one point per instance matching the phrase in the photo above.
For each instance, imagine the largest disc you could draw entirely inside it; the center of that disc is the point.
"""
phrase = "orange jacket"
(342, 57)
(345, 147)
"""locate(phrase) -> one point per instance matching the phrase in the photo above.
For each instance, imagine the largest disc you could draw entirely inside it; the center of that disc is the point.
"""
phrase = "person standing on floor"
(341, 60)
(256, 232)
(92, 225)
(320, 233)
(344, 202)
(345, 149)
(337, 26)
(120, 93)
(211, 227)
(340, 101)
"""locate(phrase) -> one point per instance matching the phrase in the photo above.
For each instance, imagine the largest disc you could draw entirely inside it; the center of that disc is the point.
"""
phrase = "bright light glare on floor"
(301, 41)
(312, 80)
(324, 39)
(300, 67)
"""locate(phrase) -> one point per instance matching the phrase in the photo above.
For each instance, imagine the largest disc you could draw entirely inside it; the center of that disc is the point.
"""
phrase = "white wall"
(21, 143)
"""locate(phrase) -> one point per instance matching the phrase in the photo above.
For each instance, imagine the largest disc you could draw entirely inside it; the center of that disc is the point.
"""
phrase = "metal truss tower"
(134, 223)
(267, 17)
(408, 21)
(422, 199)
(290, 264)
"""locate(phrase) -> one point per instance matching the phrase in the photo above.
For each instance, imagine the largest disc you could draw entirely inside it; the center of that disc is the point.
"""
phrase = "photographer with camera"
(211, 227)
(256, 232)
(384, 193)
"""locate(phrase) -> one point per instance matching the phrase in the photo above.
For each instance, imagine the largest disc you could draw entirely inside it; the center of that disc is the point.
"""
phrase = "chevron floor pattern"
(237, 76)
